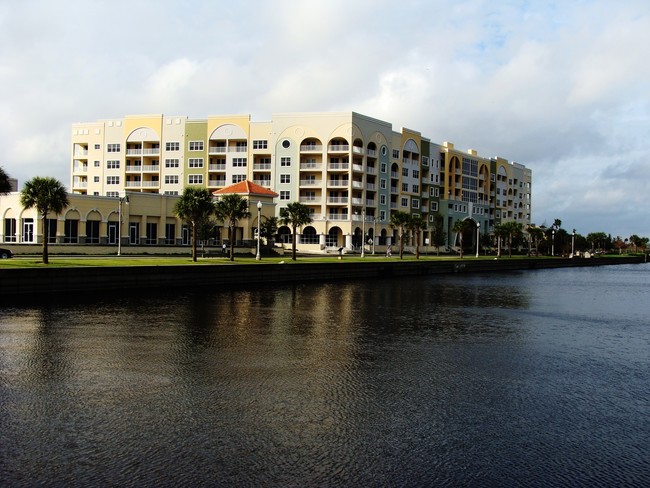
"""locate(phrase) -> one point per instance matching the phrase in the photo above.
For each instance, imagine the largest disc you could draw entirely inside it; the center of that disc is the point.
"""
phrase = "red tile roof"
(246, 188)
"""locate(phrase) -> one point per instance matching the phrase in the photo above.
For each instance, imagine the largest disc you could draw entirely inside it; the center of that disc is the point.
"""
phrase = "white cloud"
(563, 88)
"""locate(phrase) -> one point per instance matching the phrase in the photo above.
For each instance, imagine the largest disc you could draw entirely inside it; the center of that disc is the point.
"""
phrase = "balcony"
(221, 183)
(338, 183)
(337, 200)
(311, 148)
(259, 167)
(217, 167)
(310, 200)
(337, 216)
(311, 166)
(310, 182)
(372, 153)
(338, 166)
(338, 148)
(357, 150)
(154, 168)
(134, 168)
(217, 150)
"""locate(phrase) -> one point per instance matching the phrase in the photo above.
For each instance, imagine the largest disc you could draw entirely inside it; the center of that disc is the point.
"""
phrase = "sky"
(561, 87)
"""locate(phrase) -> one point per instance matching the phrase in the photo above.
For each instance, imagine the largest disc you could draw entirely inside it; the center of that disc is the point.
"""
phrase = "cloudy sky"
(562, 87)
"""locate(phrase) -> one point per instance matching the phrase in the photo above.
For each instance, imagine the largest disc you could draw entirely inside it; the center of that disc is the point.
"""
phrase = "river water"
(537, 378)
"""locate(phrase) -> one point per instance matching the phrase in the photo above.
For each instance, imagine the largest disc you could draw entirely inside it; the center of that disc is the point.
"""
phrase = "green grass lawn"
(57, 261)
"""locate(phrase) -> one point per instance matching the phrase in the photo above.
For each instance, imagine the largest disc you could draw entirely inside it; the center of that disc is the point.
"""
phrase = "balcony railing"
(264, 183)
(260, 166)
(311, 147)
(338, 166)
(310, 182)
(338, 148)
(132, 168)
(151, 168)
(338, 183)
(217, 167)
(337, 200)
(217, 183)
(311, 166)
(310, 200)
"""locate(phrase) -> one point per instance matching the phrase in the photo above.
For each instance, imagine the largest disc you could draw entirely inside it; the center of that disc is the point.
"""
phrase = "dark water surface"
(525, 379)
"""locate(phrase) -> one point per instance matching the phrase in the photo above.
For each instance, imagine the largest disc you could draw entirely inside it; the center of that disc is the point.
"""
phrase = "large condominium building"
(351, 170)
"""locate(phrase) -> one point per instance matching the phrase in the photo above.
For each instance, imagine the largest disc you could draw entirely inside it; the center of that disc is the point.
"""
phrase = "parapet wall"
(45, 281)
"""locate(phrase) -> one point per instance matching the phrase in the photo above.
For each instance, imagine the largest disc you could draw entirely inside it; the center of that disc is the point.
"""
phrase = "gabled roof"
(246, 188)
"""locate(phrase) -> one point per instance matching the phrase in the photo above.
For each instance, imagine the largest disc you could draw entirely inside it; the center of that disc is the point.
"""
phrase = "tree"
(460, 226)
(231, 208)
(500, 232)
(513, 231)
(437, 233)
(399, 220)
(5, 187)
(536, 234)
(269, 229)
(47, 195)
(295, 215)
(195, 207)
(416, 224)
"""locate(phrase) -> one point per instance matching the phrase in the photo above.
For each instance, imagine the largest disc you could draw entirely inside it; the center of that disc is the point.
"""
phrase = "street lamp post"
(374, 235)
(363, 232)
(259, 216)
(553, 243)
(478, 231)
(124, 199)
(573, 244)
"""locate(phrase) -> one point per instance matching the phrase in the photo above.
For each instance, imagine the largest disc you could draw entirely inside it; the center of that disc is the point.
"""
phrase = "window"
(405, 202)
(97, 164)
(416, 173)
(113, 148)
(383, 167)
(416, 188)
(415, 203)
(239, 162)
(285, 195)
(405, 171)
(92, 232)
(112, 194)
(196, 145)
(194, 179)
(286, 144)
(152, 231)
(172, 146)
(285, 178)
(168, 192)
(10, 230)
(170, 233)
(195, 163)
(112, 164)
(285, 162)
(260, 144)
(171, 179)
(434, 206)
(97, 146)
(112, 180)
(382, 199)
(71, 230)
(171, 163)
(405, 187)
(382, 183)
(395, 153)
(96, 179)
(238, 178)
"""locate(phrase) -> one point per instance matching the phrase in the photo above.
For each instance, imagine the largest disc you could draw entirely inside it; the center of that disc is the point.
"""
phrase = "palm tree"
(5, 187)
(459, 228)
(232, 207)
(535, 233)
(399, 220)
(416, 224)
(513, 230)
(47, 195)
(500, 232)
(296, 215)
(195, 207)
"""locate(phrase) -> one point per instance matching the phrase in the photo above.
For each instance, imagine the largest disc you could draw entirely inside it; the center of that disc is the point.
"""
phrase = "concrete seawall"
(44, 281)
